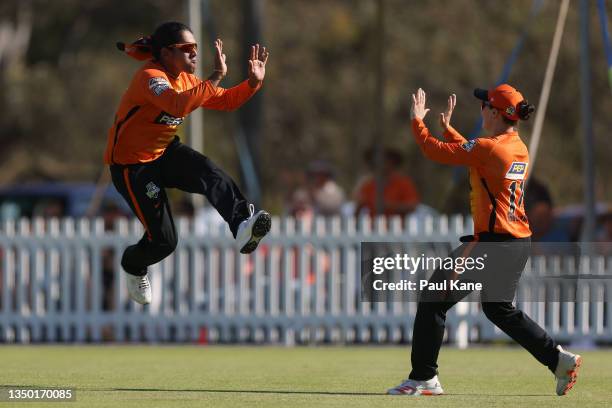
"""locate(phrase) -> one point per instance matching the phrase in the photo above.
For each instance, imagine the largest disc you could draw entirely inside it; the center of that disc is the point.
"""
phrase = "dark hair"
(524, 110)
(166, 34)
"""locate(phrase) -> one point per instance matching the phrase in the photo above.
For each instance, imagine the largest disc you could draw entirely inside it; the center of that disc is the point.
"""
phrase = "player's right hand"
(418, 110)
(445, 116)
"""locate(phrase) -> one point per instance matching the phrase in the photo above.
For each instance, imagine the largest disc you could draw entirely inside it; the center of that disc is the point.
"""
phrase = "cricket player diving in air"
(146, 157)
(498, 166)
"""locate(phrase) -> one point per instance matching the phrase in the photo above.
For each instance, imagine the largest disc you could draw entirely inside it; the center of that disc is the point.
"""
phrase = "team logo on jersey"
(165, 118)
(158, 85)
(152, 190)
(469, 145)
(517, 171)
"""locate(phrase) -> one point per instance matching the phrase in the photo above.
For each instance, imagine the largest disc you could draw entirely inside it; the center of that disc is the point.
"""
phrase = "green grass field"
(189, 376)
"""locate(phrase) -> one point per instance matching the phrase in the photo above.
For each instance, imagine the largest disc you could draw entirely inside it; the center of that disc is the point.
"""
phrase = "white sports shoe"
(252, 230)
(567, 370)
(416, 388)
(139, 288)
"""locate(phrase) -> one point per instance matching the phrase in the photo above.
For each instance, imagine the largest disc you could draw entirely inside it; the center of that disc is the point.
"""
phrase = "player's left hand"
(445, 116)
(257, 64)
(418, 110)
(220, 65)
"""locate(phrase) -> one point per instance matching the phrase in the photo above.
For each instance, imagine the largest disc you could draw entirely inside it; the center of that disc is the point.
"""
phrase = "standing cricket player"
(498, 166)
(146, 157)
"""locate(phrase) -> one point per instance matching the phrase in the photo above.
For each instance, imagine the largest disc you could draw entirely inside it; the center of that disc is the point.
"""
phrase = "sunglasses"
(486, 104)
(187, 48)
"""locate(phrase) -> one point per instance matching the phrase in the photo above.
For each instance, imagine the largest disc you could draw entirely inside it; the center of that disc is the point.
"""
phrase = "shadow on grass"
(281, 392)
(339, 393)
(247, 391)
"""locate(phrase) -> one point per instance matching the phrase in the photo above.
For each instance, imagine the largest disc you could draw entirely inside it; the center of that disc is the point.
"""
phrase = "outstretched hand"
(418, 110)
(257, 64)
(220, 65)
(445, 116)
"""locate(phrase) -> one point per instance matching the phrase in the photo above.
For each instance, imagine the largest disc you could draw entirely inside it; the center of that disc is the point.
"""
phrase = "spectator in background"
(110, 212)
(604, 237)
(300, 204)
(49, 208)
(320, 194)
(540, 212)
(605, 234)
(400, 196)
(536, 192)
(325, 194)
(184, 208)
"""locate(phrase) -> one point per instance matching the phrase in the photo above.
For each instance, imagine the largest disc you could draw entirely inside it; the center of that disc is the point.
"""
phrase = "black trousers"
(143, 187)
(508, 260)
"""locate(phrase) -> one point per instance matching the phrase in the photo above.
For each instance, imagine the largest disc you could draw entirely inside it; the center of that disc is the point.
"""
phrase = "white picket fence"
(60, 281)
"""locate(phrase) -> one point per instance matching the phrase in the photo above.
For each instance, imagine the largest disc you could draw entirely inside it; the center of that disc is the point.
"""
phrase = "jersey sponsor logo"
(158, 85)
(517, 171)
(152, 190)
(169, 120)
(469, 145)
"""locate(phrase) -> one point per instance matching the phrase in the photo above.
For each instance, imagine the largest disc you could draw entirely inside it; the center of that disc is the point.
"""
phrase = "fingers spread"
(421, 96)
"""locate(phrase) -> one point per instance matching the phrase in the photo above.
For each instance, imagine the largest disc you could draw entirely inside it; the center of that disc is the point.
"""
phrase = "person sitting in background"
(540, 212)
(325, 194)
(400, 196)
(300, 204)
(605, 234)
(110, 213)
(604, 237)
(49, 208)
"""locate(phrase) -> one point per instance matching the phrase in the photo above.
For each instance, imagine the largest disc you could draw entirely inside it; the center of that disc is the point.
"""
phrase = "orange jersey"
(155, 104)
(498, 171)
(398, 189)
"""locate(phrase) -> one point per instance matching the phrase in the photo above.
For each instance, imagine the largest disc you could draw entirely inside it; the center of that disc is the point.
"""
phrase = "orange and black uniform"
(498, 170)
(146, 156)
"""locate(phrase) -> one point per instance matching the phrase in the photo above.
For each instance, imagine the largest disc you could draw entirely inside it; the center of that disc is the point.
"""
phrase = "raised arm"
(469, 153)
(157, 90)
(233, 98)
